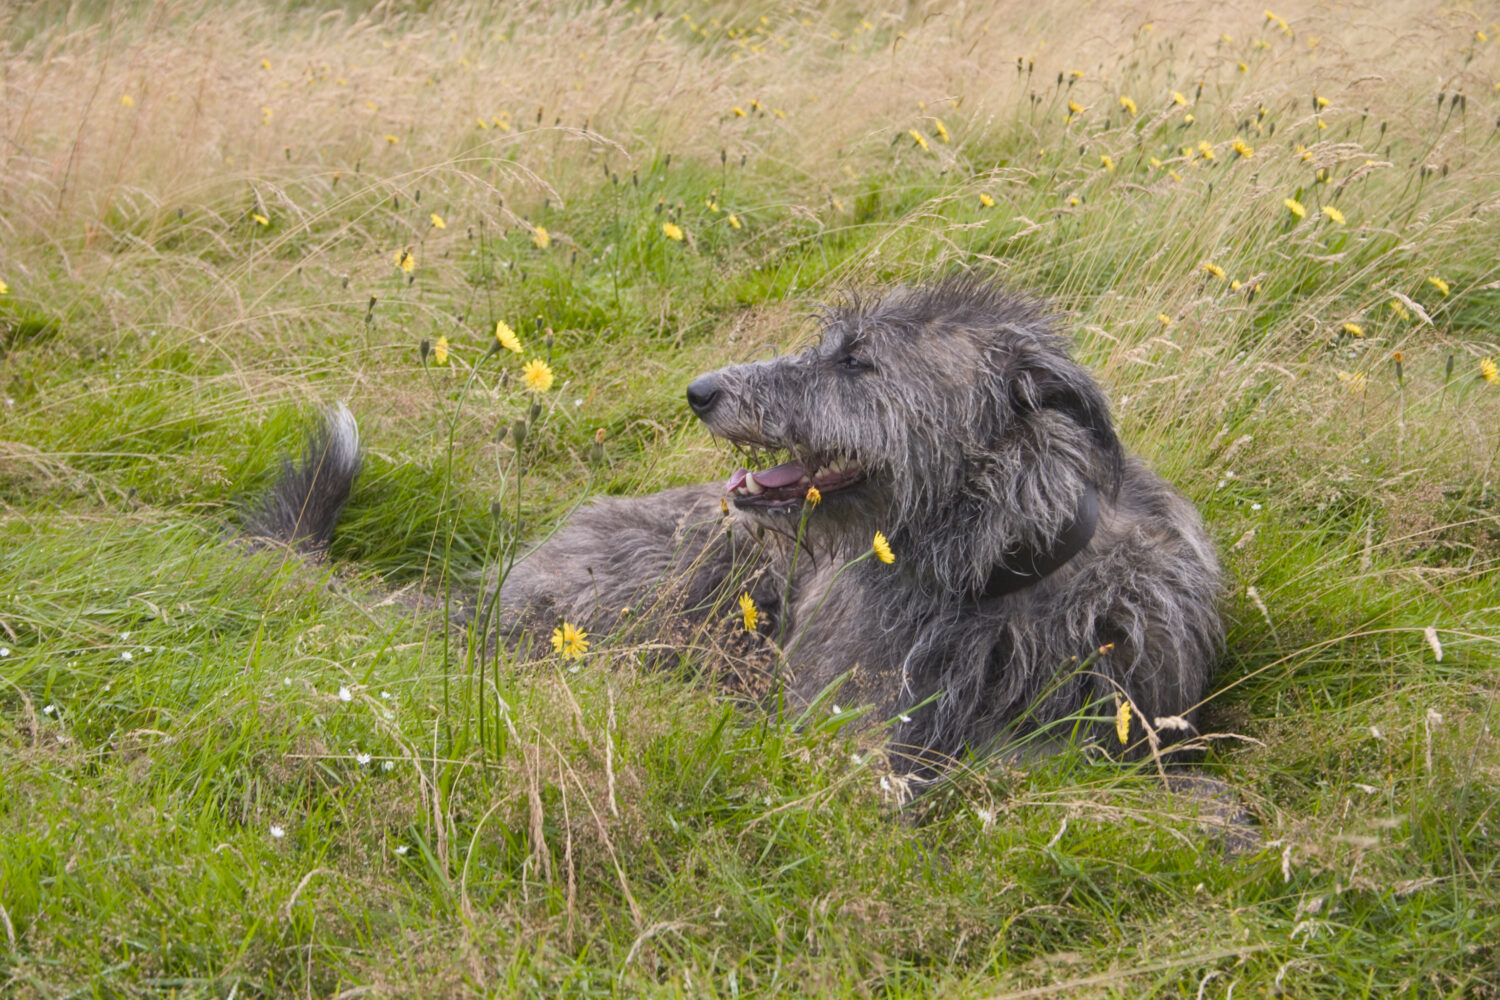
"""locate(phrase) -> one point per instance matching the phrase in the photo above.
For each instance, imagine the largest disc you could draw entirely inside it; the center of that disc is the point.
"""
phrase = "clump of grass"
(232, 774)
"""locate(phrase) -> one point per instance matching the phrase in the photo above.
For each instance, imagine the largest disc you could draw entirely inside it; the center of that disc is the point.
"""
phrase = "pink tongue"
(775, 477)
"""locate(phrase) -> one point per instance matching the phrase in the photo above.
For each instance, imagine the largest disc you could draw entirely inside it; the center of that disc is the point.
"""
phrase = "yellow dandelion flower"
(261, 219)
(779, 113)
(506, 337)
(1322, 124)
(405, 261)
(673, 231)
(1321, 101)
(918, 137)
(1174, 175)
(1122, 722)
(391, 139)
(537, 375)
(1155, 163)
(1333, 214)
(1354, 381)
(440, 351)
(749, 612)
(734, 220)
(1236, 284)
(127, 101)
(1242, 147)
(739, 112)
(1206, 150)
(1164, 319)
(1295, 207)
(569, 641)
(1480, 36)
(1438, 283)
(437, 221)
(1073, 201)
(1399, 309)
(1177, 97)
(4, 288)
(1127, 104)
(1242, 67)
(1074, 107)
(941, 129)
(1076, 74)
(1107, 163)
(883, 549)
(1213, 269)
(986, 200)
(265, 64)
(1489, 371)
(540, 238)
(1354, 329)
(814, 497)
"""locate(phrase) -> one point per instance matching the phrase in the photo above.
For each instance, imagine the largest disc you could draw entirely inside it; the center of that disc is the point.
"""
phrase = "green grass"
(226, 773)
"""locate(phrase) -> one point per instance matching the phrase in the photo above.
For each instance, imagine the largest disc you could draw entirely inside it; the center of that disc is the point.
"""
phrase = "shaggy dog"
(1040, 575)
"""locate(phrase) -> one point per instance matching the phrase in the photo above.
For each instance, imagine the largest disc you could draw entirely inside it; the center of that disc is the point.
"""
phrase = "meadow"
(1271, 233)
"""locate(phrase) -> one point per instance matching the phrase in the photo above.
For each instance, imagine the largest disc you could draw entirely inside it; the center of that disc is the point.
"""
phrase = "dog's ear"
(1050, 383)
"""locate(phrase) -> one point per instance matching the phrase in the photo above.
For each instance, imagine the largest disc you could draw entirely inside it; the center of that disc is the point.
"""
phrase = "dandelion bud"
(536, 411)
(424, 348)
(596, 453)
(599, 436)
(518, 432)
(495, 509)
(547, 340)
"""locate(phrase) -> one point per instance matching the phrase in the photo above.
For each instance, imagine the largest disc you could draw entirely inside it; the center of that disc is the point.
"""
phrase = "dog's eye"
(850, 363)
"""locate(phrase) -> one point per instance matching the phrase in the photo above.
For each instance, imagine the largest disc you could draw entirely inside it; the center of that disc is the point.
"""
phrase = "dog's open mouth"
(786, 485)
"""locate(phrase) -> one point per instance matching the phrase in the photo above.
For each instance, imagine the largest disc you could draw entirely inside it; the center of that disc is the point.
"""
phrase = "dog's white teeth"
(822, 471)
(751, 486)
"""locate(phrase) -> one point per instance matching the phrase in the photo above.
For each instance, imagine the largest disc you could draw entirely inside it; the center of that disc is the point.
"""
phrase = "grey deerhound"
(1040, 575)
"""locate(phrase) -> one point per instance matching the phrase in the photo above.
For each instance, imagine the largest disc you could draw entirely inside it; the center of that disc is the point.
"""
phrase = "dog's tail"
(303, 505)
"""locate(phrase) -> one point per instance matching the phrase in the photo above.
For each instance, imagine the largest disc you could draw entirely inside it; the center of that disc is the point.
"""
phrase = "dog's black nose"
(702, 393)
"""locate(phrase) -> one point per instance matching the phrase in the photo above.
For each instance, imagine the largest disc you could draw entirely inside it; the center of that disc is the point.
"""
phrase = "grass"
(228, 774)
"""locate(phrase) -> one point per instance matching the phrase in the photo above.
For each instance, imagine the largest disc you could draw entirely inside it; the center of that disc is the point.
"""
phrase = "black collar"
(1030, 565)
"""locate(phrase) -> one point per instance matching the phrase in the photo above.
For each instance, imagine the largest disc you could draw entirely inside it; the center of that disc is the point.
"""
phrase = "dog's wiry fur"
(966, 434)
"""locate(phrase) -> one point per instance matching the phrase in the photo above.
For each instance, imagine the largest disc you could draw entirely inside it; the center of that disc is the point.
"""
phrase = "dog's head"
(949, 416)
